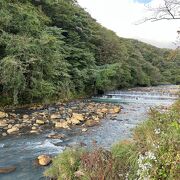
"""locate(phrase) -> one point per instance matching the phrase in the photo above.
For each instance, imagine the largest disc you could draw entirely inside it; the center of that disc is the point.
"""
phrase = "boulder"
(91, 123)
(40, 122)
(116, 109)
(34, 131)
(25, 116)
(4, 134)
(12, 121)
(76, 119)
(56, 136)
(13, 115)
(103, 110)
(34, 128)
(100, 115)
(10, 126)
(5, 170)
(90, 107)
(95, 118)
(3, 114)
(44, 160)
(17, 125)
(77, 116)
(84, 130)
(55, 116)
(43, 114)
(62, 124)
(26, 121)
(3, 124)
(70, 110)
(13, 130)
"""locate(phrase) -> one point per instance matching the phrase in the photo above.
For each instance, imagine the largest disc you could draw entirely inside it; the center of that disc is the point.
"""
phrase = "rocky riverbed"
(63, 115)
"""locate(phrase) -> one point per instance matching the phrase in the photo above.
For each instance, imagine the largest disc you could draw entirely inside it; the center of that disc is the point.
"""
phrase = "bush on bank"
(153, 154)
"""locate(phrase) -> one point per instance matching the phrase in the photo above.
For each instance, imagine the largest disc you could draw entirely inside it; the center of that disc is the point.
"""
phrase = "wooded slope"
(53, 49)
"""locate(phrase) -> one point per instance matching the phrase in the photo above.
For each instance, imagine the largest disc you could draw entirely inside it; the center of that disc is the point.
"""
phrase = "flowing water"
(21, 151)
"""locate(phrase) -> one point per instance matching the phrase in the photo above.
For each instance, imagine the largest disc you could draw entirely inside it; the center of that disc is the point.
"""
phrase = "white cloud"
(121, 15)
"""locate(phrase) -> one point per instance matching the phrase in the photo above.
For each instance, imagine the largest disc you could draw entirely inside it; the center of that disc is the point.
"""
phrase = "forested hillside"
(53, 49)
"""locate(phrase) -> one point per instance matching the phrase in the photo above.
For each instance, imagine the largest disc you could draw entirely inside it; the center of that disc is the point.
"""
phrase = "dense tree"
(53, 49)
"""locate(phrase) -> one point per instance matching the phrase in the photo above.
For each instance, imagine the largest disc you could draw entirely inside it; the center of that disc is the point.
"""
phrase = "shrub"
(97, 164)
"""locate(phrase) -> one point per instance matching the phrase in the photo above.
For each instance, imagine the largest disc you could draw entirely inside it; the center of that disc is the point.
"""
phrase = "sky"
(122, 16)
(143, 1)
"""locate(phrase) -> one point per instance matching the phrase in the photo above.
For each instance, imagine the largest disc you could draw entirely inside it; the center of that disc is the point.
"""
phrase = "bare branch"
(168, 10)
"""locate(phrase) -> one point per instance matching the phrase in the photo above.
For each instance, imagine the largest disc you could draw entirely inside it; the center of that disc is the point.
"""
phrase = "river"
(21, 151)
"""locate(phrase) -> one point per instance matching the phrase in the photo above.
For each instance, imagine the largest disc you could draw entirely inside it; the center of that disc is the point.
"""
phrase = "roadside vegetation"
(51, 50)
(152, 154)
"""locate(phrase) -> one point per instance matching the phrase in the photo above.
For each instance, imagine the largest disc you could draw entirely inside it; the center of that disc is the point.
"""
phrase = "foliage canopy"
(53, 49)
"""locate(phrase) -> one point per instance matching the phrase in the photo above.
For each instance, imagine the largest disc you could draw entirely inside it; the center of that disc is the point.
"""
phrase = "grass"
(65, 165)
(152, 154)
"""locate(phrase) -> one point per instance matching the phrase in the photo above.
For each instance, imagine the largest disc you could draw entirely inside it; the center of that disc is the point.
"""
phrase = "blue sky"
(143, 1)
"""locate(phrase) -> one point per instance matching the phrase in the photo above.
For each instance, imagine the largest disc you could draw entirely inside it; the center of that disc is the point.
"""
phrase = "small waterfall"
(147, 94)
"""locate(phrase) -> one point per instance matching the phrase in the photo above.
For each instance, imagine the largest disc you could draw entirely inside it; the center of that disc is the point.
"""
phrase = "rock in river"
(40, 122)
(44, 160)
(25, 116)
(117, 109)
(62, 124)
(56, 136)
(2, 115)
(84, 129)
(90, 123)
(34, 131)
(103, 110)
(5, 170)
(3, 123)
(10, 126)
(55, 116)
(74, 121)
(76, 118)
(4, 134)
(34, 128)
(13, 130)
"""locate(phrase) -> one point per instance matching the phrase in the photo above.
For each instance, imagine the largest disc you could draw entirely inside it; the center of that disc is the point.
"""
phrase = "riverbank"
(153, 153)
(63, 115)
